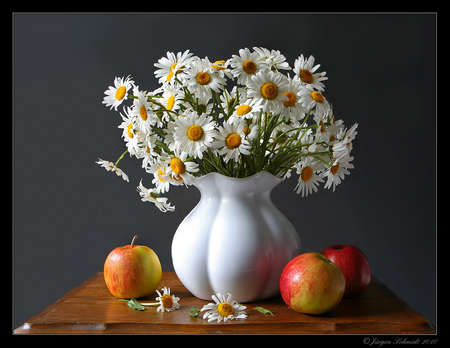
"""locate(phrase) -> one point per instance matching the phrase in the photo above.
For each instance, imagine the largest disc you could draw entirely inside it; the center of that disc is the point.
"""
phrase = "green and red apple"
(312, 284)
(132, 271)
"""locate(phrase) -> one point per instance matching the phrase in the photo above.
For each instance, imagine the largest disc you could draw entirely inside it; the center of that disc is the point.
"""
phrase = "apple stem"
(132, 242)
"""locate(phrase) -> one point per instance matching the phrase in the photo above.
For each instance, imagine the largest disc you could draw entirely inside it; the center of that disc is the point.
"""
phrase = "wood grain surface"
(91, 309)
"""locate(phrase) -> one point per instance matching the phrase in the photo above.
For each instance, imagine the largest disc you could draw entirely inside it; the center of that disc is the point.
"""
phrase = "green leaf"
(263, 310)
(132, 303)
(194, 311)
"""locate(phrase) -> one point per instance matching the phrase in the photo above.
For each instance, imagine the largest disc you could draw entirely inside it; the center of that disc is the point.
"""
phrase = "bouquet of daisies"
(250, 113)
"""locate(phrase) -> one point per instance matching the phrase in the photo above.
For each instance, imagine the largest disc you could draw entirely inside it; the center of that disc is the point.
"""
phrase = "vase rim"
(247, 178)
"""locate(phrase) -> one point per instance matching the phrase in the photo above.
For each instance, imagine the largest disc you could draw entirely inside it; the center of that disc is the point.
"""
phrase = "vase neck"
(218, 184)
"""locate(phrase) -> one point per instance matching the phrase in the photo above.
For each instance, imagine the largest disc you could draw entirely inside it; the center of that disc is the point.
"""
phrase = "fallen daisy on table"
(225, 308)
(167, 301)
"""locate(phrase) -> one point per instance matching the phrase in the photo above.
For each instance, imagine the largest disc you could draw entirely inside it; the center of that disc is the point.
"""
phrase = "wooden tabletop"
(91, 309)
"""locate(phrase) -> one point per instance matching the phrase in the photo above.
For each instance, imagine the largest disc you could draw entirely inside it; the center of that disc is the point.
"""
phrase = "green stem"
(121, 156)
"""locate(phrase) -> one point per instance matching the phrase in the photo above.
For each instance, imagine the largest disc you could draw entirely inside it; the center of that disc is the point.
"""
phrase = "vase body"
(234, 240)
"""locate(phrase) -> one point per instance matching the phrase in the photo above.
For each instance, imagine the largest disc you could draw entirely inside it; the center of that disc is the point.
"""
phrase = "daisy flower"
(269, 88)
(245, 65)
(171, 98)
(292, 108)
(173, 65)
(151, 195)
(337, 171)
(329, 132)
(142, 109)
(193, 134)
(308, 178)
(167, 302)
(250, 130)
(305, 70)
(224, 308)
(148, 152)
(181, 170)
(222, 68)
(161, 179)
(249, 109)
(109, 166)
(202, 79)
(231, 142)
(315, 100)
(117, 94)
(344, 146)
(272, 59)
(131, 133)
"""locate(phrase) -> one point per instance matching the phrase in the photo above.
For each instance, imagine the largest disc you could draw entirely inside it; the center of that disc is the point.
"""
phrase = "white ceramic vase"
(234, 240)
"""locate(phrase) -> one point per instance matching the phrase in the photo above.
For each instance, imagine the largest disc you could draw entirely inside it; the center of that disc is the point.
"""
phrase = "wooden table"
(91, 309)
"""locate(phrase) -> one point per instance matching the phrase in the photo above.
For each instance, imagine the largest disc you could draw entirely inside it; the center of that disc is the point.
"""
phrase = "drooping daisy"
(167, 302)
(245, 65)
(308, 179)
(272, 59)
(173, 65)
(117, 94)
(337, 171)
(193, 134)
(142, 108)
(202, 79)
(250, 130)
(231, 142)
(111, 167)
(291, 106)
(171, 98)
(161, 179)
(224, 308)
(131, 133)
(305, 70)
(249, 109)
(222, 68)
(329, 132)
(317, 101)
(268, 87)
(180, 170)
(151, 195)
(344, 145)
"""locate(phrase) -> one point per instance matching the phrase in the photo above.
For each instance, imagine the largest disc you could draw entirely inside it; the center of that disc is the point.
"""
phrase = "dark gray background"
(69, 213)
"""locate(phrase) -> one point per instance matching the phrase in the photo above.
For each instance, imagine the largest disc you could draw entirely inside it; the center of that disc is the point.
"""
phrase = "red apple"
(312, 284)
(353, 263)
(132, 271)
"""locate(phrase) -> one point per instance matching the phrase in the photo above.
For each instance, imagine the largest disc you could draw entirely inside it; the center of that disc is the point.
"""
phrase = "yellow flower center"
(130, 133)
(269, 90)
(177, 166)
(218, 65)
(322, 127)
(194, 132)
(249, 66)
(334, 169)
(161, 175)
(332, 138)
(243, 109)
(305, 76)
(203, 78)
(148, 149)
(170, 102)
(170, 75)
(292, 99)
(306, 174)
(177, 179)
(246, 130)
(233, 140)
(120, 92)
(143, 112)
(225, 309)
(167, 301)
(317, 96)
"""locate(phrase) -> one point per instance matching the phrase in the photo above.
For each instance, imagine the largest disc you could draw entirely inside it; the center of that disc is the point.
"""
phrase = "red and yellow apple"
(311, 284)
(353, 264)
(132, 271)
